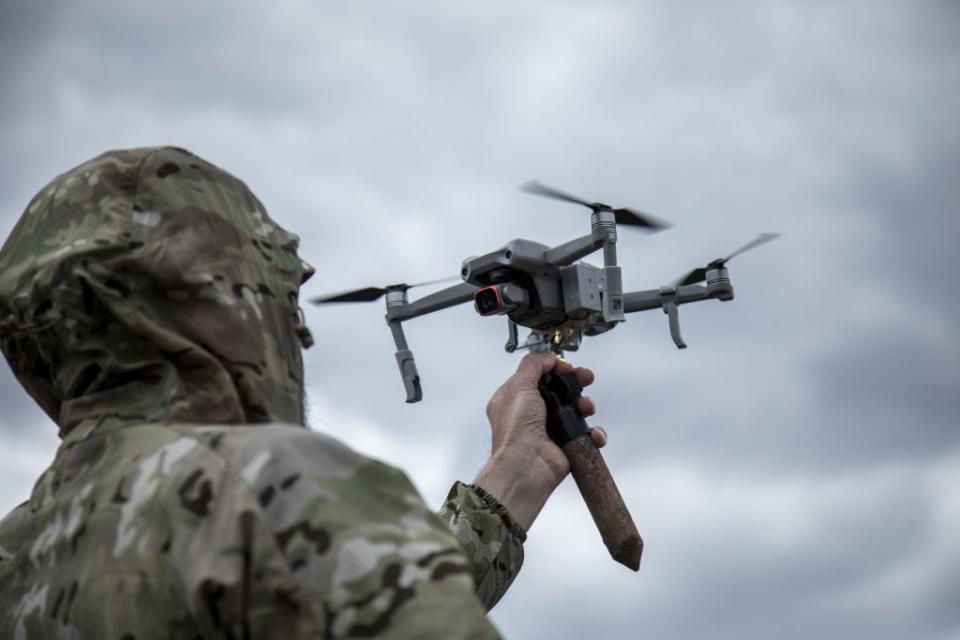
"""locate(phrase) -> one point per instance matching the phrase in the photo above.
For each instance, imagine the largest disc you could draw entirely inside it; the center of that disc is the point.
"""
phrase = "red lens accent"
(487, 301)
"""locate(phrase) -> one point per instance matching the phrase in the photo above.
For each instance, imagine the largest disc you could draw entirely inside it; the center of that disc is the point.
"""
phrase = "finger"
(563, 366)
(585, 376)
(534, 365)
(599, 436)
(586, 406)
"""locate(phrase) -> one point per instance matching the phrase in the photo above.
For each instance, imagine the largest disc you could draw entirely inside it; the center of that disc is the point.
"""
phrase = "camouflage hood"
(149, 285)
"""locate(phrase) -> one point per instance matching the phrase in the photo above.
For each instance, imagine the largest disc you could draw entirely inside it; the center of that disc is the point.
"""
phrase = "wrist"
(522, 486)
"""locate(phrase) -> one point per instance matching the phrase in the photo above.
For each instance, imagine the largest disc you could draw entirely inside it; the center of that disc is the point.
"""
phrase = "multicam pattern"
(490, 537)
(147, 293)
(150, 285)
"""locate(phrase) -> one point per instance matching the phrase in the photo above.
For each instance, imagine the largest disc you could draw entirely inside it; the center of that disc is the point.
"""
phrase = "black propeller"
(369, 294)
(624, 216)
(700, 273)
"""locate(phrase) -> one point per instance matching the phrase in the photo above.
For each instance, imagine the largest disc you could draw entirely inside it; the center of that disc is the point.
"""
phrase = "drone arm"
(449, 297)
(653, 298)
(566, 253)
(399, 310)
(667, 298)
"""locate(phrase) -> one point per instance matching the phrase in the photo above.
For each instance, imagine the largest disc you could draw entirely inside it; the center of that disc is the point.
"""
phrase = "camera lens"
(487, 301)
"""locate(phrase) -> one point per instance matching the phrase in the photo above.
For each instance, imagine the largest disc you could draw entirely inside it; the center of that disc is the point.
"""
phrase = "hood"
(149, 285)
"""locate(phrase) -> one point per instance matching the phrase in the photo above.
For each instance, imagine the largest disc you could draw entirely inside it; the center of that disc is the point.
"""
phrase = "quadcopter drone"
(549, 290)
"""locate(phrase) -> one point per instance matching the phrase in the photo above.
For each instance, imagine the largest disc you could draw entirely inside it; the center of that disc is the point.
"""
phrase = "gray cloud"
(791, 469)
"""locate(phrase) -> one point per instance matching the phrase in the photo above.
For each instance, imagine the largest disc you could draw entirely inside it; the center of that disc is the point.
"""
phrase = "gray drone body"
(550, 291)
(540, 294)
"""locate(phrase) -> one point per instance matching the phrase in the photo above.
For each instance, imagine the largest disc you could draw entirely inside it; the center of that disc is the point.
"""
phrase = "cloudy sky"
(796, 471)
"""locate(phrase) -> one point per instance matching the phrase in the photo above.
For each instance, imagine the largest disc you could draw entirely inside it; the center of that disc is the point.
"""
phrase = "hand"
(518, 415)
(525, 466)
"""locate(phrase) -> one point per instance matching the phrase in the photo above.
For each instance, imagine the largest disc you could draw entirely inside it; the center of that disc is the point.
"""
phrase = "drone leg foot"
(408, 366)
(670, 308)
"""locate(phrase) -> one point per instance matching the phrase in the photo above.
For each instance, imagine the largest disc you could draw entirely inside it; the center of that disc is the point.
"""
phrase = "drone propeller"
(624, 216)
(369, 294)
(700, 273)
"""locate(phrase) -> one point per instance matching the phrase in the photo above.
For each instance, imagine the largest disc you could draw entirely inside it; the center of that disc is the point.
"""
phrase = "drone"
(550, 290)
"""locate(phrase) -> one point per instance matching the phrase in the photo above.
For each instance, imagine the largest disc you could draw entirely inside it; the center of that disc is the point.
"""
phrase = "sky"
(796, 471)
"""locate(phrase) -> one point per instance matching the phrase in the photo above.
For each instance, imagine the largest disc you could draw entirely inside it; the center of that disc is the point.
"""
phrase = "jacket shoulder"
(347, 537)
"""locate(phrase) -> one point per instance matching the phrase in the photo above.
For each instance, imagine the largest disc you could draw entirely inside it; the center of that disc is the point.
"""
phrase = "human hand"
(525, 465)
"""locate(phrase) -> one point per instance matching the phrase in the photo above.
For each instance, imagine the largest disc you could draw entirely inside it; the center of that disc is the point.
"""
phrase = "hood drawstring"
(300, 328)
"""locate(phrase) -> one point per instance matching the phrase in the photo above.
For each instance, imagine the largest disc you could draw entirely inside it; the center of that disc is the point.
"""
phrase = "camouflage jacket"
(149, 305)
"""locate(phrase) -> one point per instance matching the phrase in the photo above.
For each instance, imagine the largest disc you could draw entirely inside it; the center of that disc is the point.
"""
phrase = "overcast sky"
(796, 471)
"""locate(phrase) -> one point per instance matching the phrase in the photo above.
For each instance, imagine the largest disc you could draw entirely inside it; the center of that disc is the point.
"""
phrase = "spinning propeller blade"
(538, 188)
(369, 294)
(700, 273)
(692, 277)
(631, 218)
(763, 238)
(624, 216)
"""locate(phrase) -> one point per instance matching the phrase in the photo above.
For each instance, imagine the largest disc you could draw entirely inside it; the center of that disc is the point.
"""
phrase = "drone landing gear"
(408, 366)
(512, 340)
(668, 296)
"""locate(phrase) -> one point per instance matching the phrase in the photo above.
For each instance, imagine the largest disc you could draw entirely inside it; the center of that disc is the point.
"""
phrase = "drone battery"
(581, 290)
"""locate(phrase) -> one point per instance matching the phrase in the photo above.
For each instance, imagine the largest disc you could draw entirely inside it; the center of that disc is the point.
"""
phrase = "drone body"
(549, 290)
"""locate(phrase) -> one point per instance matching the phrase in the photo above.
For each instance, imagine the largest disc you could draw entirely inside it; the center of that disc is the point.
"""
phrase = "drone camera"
(499, 299)
(487, 301)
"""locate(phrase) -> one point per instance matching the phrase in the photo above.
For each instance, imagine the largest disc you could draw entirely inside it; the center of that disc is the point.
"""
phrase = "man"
(149, 305)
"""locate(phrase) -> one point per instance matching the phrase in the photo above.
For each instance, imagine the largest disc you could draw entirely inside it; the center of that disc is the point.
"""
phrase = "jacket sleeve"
(490, 537)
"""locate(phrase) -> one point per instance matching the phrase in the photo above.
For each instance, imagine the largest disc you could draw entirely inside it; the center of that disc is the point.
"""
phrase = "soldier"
(149, 305)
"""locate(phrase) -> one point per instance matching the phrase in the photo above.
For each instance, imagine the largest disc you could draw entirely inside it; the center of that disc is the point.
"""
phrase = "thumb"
(534, 365)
